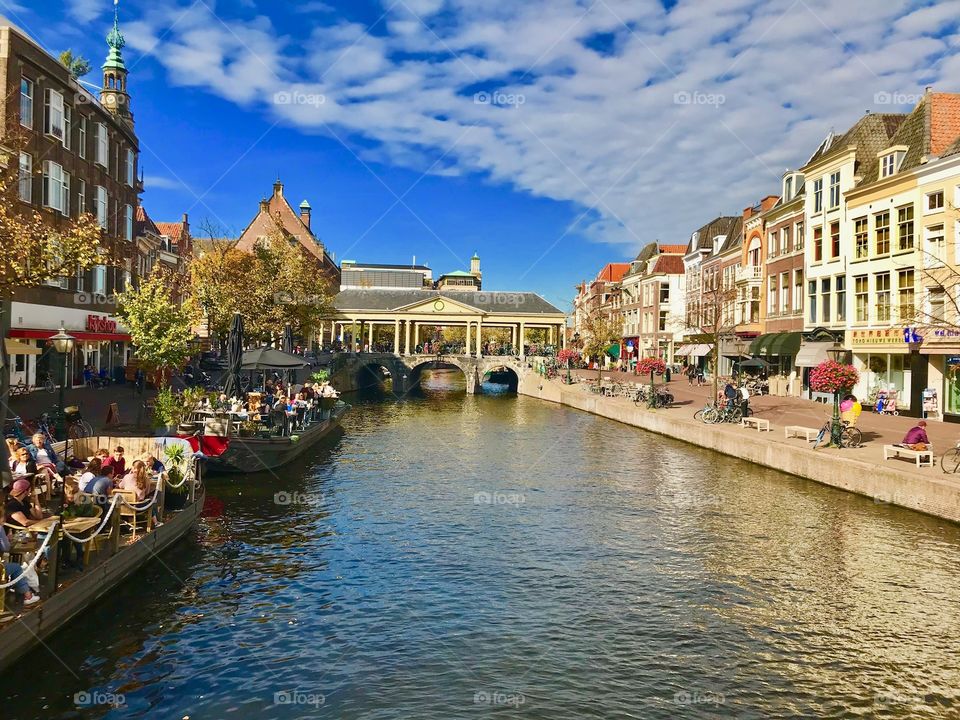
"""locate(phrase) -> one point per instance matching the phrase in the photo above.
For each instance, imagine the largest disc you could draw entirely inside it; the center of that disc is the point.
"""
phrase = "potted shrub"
(176, 489)
(248, 428)
(165, 409)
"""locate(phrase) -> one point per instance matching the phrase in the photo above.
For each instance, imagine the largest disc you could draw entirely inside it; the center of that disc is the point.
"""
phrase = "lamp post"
(63, 343)
(836, 354)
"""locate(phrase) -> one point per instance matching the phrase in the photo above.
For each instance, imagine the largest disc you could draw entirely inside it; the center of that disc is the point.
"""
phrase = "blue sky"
(549, 136)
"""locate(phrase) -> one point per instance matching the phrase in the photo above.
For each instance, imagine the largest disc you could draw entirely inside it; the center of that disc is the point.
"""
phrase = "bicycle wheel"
(950, 460)
(734, 416)
(710, 415)
(79, 429)
(698, 415)
(50, 386)
(850, 437)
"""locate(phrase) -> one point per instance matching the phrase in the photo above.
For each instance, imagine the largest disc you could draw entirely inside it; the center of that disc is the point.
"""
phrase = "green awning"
(779, 344)
(760, 344)
(614, 350)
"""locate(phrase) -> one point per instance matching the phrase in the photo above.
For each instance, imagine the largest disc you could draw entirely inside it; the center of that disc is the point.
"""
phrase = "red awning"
(78, 334)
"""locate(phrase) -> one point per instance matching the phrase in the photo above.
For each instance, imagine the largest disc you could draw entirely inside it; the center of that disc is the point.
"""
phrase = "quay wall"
(926, 490)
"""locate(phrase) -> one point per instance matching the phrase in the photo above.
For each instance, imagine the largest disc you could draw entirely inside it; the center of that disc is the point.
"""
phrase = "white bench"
(807, 433)
(758, 423)
(921, 457)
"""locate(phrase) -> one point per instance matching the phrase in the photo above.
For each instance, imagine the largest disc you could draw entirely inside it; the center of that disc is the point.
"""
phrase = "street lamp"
(836, 354)
(63, 343)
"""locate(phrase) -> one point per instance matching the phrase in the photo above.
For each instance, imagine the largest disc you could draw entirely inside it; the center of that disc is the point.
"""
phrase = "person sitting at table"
(154, 465)
(116, 461)
(137, 480)
(45, 457)
(15, 570)
(101, 485)
(23, 505)
(24, 464)
(90, 472)
(102, 453)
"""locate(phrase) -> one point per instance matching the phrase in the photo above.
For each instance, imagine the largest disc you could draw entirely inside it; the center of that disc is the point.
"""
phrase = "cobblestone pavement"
(878, 430)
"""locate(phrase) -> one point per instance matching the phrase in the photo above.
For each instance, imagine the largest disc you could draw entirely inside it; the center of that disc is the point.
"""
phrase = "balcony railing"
(748, 273)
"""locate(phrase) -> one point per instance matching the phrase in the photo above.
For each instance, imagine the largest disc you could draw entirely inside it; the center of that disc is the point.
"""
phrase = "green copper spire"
(116, 43)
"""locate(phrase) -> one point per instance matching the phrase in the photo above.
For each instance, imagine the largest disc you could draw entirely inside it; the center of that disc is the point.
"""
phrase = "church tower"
(113, 94)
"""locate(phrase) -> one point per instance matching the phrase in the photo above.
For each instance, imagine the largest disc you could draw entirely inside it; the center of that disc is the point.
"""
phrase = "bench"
(921, 457)
(807, 433)
(758, 423)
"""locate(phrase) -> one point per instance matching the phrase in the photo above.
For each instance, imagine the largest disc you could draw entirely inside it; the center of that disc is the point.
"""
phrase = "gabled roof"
(928, 131)
(953, 149)
(672, 249)
(646, 252)
(278, 209)
(612, 272)
(143, 223)
(522, 303)
(869, 135)
(702, 239)
(669, 264)
(172, 230)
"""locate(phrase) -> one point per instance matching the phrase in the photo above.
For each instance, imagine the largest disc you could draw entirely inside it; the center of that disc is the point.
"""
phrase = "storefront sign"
(101, 323)
(877, 337)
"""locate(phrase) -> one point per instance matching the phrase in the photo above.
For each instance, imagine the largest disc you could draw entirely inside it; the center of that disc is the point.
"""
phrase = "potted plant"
(248, 428)
(176, 498)
(320, 376)
(165, 409)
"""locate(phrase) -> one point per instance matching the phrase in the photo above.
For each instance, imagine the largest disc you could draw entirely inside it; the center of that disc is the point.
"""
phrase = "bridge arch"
(444, 362)
(502, 374)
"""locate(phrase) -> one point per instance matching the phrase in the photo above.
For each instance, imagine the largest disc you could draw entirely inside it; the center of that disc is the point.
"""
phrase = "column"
(550, 335)
(523, 340)
(370, 335)
(396, 337)
(513, 337)
(467, 343)
(562, 329)
(479, 339)
(353, 335)
(416, 335)
(407, 345)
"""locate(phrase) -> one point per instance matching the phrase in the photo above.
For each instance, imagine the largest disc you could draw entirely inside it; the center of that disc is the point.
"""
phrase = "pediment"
(438, 304)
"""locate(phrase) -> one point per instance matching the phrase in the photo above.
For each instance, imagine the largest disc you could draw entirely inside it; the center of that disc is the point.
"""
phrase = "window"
(127, 222)
(103, 146)
(101, 200)
(861, 238)
(80, 280)
(905, 295)
(772, 295)
(935, 304)
(26, 102)
(818, 195)
(26, 177)
(825, 284)
(817, 244)
(797, 291)
(99, 280)
(784, 293)
(662, 326)
(887, 165)
(81, 197)
(881, 229)
(835, 239)
(784, 240)
(835, 190)
(52, 185)
(67, 126)
(882, 282)
(841, 288)
(905, 227)
(772, 244)
(812, 305)
(65, 194)
(664, 292)
(54, 118)
(798, 236)
(862, 297)
(788, 188)
(130, 167)
(935, 201)
(82, 137)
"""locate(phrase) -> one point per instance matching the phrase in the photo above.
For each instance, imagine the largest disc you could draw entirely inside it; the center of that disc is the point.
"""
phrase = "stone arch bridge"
(347, 370)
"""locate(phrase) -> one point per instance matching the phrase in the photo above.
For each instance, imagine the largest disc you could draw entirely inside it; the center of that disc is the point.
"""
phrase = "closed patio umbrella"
(287, 347)
(231, 385)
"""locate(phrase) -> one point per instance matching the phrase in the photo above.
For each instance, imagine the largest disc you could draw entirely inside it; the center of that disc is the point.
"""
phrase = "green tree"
(160, 327)
(76, 64)
(600, 331)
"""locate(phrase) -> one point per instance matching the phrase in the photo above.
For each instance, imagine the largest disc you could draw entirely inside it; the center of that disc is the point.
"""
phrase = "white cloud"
(685, 114)
(158, 182)
(87, 10)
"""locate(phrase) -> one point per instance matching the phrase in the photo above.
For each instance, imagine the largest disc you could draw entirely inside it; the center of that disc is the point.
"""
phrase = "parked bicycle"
(73, 422)
(950, 460)
(850, 435)
(713, 414)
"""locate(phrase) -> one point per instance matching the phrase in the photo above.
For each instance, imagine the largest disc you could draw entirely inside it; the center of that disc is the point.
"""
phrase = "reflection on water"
(453, 556)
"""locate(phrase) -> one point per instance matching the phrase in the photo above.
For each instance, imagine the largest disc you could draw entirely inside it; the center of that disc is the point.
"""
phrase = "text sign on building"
(101, 323)
(877, 337)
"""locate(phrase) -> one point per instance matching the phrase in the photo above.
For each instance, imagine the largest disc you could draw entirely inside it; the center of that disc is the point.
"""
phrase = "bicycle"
(950, 460)
(48, 384)
(850, 435)
(713, 414)
(19, 429)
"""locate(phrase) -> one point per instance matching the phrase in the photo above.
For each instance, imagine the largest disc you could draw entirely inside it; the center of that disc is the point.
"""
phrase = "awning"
(614, 350)
(15, 347)
(700, 350)
(683, 350)
(783, 344)
(812, 354)
(78, 334)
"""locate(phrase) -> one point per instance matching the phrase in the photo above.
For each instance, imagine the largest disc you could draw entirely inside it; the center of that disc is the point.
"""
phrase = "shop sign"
(877, 337)
(101, 324)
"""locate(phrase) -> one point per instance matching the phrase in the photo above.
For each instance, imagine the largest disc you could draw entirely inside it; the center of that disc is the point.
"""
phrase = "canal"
(454, 556)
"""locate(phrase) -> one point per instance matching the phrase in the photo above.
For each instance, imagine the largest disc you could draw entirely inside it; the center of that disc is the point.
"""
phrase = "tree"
(34, 248)
(160, 326)
(714, 318)
(600, 331)
(221, 279)
(76, 64)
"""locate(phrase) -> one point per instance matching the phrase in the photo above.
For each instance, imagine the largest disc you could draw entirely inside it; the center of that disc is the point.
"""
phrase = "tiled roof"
(670, 264)
(523, 303)
(143, 223)
(953, 149)
(869, 135)
(734, 237)
(723, 225)
(944, 121)
(613, 272)
(171, 229)
(673, 249)
(646, 252)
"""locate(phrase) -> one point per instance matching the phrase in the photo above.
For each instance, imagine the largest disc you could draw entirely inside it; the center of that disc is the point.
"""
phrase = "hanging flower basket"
(833, 377)
(648, 365)
(567, 354)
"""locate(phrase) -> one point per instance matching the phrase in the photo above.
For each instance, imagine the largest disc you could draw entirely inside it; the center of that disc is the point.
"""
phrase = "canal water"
(451, 556)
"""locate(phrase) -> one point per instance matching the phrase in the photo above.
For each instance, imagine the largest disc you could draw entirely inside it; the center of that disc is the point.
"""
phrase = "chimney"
(278, 188)
(305, 213)
(264, 205)
(928, 89)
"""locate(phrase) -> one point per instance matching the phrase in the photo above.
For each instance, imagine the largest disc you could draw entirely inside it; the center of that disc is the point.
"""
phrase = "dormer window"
(792, 185)
(891, 159)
